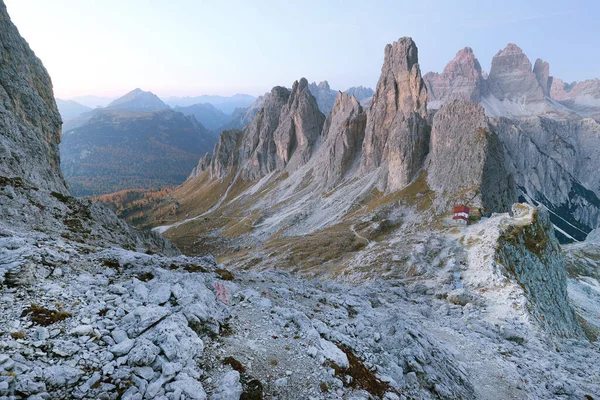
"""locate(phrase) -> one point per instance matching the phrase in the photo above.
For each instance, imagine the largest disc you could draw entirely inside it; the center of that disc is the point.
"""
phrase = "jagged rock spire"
(397, 134)
(343, 134)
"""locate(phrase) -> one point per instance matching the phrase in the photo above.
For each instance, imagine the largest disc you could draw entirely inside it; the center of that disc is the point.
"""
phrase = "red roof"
(462, 209)
(460, 217)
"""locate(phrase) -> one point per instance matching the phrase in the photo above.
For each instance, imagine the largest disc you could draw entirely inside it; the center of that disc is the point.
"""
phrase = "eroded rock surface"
(397, 134)
(466, 161)
(31, 124)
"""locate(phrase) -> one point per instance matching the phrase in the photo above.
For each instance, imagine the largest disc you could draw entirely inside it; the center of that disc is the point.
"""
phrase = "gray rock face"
(283, 133)
(466, 161)
(324, 95)
(461, 79)
(549, 146)
(554, 163)
(29, 117)
(225, 155)
(397, 133)
(531, 254)
(203, 165)
(299, 127)
(511, 77)
(541, 69)
(23, 207)
(33, 193)
(343, 134)
(258, 144)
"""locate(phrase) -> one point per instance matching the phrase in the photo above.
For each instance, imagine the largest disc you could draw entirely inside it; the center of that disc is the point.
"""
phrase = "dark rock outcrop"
(397, 133)
(466, 161)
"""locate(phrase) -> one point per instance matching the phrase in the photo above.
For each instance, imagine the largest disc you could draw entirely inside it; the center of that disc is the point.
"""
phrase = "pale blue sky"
(192, 47)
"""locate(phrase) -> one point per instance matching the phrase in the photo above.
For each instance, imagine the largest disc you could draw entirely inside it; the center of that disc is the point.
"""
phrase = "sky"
(223, 47)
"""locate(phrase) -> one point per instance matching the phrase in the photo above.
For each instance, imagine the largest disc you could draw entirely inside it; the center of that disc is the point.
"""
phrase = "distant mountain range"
(93, 101)
(135, 142)
(225, 104)
(211, 117)
(70, 109)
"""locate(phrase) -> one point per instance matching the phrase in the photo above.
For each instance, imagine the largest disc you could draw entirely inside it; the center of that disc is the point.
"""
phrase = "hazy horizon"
(222, 48)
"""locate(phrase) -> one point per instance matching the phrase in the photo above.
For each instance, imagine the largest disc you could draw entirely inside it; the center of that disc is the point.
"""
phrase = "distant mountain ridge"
(138, 100)
(211, 117)
(137, 141)
(226, 104)
(123, 149)
(70, 109)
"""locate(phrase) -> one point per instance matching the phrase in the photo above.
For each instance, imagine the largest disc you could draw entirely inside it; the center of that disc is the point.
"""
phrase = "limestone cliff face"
(29, 117)
(258, 144)
(554, 163)
(461, 79)
(466, 161)
(511, 77)
(281, 136)
(300, 125)
(226, 155)
(541, 69)
(530, 253)
(343, 134)
(34, 198)
(397, 133)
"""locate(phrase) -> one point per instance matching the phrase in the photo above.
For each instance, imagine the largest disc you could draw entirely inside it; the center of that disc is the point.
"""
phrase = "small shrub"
(43, 316)
(224, 274)
(18, 335)
(235, 364)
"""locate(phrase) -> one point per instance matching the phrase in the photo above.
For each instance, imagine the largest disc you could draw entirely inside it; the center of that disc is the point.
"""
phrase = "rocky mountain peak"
(463, 63)
(397, 134)
(324, 85)
(401, 63)
(511, 77)
(138, 100)
(31, 124)
(461, 79)
(324, 95)
(300, 125)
